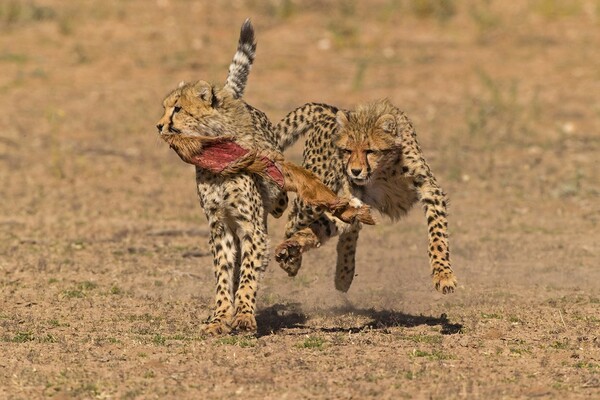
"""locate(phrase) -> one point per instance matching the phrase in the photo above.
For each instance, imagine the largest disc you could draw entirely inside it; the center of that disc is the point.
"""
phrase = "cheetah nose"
(356, 171)
(159, 127)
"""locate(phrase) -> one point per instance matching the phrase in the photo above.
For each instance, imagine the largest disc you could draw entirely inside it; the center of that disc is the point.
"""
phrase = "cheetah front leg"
(434, 203)
(254, 260)
(222, 245)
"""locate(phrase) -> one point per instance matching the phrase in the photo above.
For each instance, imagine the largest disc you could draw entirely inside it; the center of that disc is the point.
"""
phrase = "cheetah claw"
(445, 282)
(215, 328)
(245, 322)
(289, 256)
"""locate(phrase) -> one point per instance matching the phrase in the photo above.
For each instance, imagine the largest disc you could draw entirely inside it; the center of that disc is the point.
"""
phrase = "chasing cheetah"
(371, 153)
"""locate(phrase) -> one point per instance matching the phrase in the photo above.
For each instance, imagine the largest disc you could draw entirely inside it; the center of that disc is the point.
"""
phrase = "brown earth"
(105, 274)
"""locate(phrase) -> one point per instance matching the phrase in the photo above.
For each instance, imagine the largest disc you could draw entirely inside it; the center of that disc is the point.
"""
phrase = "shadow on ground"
(273, 319)
(289, 316)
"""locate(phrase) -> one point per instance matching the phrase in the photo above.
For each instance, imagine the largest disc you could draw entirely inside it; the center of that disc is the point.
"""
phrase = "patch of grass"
(587, 365)
(15, 12)
(87, 285)
(282, 9)
(86, 390)
(490, 316)
(133, 394)
(419, 353)
(570, 187)
(560, 344)
(143, 317)
(434, 355)
(519, 350)
(77, 245)
(80, 290)
(186, 338)
(430, 339)
(66, 23)
(48, 338)
(115, 290)
(52, 280)
(554, 9)
(16, 58)
(241, 341)
(73, 294)
(312, 342)
(149, 374)
(441, 10)
(159, 340)
(22, 337)
(55, 323)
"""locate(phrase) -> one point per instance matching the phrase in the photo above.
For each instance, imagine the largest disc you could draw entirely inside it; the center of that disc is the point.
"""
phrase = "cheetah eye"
(367, 152)
(176, 109)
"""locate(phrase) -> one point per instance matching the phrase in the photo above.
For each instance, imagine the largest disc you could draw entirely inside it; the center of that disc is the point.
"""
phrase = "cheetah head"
(200, 108)
(366, 140)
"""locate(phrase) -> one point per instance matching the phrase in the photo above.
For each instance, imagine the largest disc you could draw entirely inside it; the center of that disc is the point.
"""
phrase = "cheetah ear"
(181, 84)
(387, 123)
(207, 95)
(342, 118)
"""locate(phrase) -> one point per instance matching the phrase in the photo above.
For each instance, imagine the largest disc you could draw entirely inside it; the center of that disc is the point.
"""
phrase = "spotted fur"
(371, 153)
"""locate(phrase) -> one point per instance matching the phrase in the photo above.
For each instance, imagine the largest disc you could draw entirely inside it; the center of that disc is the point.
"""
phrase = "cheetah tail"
(300, 121)
(242, 61)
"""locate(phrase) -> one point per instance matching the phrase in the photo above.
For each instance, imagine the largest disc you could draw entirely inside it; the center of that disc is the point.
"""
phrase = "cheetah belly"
(223, 194)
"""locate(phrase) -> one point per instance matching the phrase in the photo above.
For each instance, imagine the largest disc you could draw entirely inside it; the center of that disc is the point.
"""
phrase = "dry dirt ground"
(105, 274)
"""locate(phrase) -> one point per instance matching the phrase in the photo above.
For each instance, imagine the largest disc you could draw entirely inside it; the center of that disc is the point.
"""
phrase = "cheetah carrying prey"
(206, 124)
(371, 153)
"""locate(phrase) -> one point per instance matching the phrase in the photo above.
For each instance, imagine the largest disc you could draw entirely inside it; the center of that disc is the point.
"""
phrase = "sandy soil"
(105, 274)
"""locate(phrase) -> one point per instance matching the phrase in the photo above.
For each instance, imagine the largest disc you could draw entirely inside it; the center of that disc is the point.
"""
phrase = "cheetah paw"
(215, 328)
(289, 256)
(244, 323)
(445, 282)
